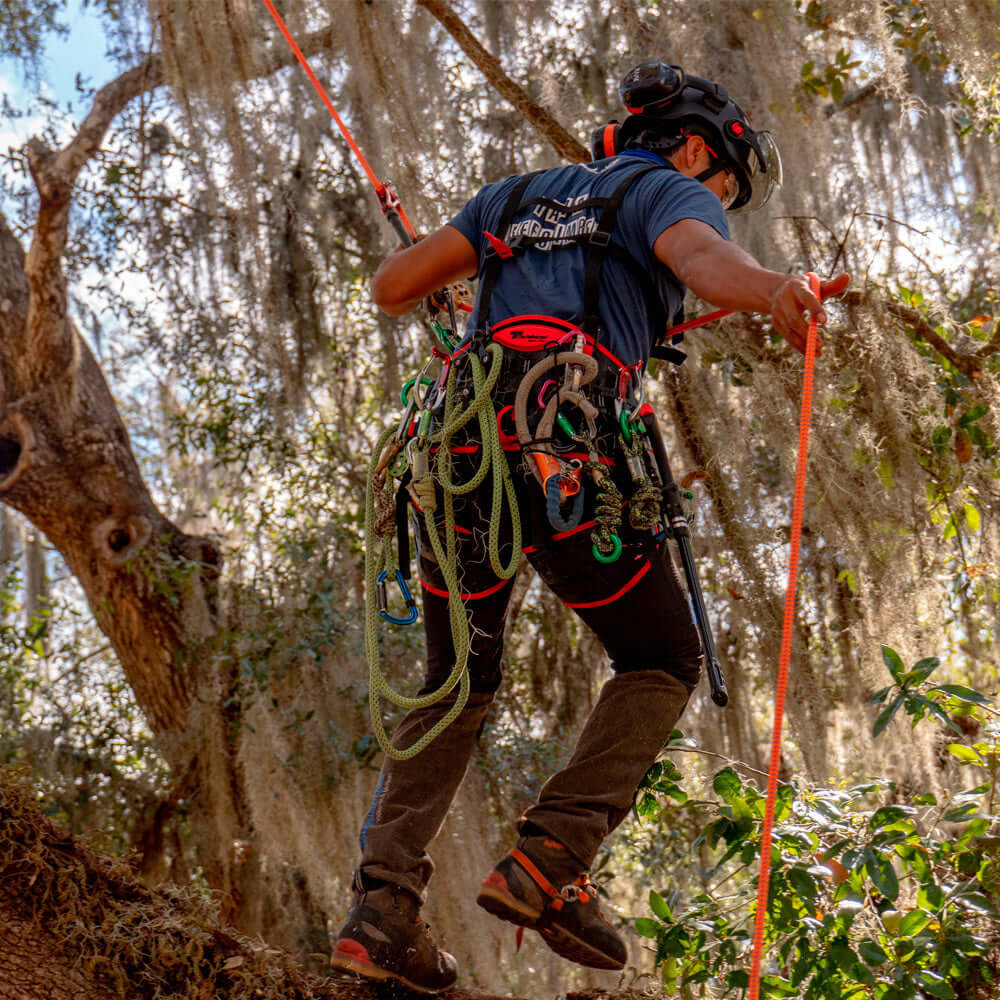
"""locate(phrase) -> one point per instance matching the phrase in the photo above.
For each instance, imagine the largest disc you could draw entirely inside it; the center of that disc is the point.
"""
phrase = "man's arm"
(727, 276)
(408, 276)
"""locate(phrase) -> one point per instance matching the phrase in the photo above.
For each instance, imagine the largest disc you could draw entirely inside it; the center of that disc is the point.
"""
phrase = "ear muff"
(605, 141)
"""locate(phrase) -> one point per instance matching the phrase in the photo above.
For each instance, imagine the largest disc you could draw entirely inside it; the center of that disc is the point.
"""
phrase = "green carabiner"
(615, 553)
(404, 395)
(567, 428)
(629, 426)
(626, 426)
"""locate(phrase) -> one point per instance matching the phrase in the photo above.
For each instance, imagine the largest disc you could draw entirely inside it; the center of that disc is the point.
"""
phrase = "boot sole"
(373, 972)
(502, 904)
(570, 947)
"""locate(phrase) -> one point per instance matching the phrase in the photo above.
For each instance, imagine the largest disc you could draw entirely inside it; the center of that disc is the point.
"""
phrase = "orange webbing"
(380, 188)
(798, 503)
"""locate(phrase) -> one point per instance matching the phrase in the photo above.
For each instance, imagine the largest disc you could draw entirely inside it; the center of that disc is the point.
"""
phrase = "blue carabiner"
(407, 598)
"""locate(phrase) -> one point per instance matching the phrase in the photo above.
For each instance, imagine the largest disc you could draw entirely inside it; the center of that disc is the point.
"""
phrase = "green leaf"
(971, 516)
(803, 883)
(950, 528)
(892, 660)
(940, 438)
(965, 754)
(727, 784)
(885, 717)
(659, 906)
(647, 928)
(886, 815)
(935, 985)
(961, 814)
(921, 670)
(962, 693)
(883, 875)
(842, 953)
(971, 416)
(872, 952)
(930, 897)
(879, 696)
(914, 922)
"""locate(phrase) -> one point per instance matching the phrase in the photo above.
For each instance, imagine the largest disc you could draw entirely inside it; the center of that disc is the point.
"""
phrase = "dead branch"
(564, 144)
(970, 365)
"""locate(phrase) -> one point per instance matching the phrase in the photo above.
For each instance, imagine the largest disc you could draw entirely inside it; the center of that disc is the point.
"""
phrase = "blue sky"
(82, 51)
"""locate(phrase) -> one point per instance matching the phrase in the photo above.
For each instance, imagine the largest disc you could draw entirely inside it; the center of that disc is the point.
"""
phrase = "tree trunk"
(66, 464)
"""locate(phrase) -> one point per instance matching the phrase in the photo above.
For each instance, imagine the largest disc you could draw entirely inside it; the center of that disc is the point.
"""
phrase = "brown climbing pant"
(656, 656)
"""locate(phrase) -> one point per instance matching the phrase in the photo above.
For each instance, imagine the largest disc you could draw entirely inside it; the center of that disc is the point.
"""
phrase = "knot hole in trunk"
(120, 538)
(17, 441)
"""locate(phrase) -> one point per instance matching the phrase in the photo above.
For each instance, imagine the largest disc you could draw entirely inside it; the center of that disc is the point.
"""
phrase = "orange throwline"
(760, 917)
(381, 191)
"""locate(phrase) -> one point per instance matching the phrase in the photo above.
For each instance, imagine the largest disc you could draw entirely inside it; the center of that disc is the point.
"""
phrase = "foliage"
(872, 894)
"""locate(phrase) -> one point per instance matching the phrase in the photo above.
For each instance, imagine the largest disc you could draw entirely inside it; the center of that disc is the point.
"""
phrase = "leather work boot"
(385, 938)
(540, 885)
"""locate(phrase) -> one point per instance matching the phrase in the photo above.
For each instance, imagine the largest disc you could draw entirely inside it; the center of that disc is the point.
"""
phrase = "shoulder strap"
(492, 259)
(598, 245)
(598, 248)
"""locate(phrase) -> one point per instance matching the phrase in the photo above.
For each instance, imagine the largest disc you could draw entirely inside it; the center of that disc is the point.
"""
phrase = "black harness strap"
(599, 243)
(490, 269)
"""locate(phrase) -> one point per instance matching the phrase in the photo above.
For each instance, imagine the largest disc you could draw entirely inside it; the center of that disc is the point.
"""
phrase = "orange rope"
(760, 917)
(382, 191)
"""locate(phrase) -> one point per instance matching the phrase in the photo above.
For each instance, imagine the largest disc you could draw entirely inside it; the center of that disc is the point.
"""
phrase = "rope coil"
(427, 481)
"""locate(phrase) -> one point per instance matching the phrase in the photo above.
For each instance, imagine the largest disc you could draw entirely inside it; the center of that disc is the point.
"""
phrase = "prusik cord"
(788, 627)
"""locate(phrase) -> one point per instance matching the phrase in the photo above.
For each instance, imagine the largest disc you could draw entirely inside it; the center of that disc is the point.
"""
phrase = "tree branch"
(970, 365)
(564, 144)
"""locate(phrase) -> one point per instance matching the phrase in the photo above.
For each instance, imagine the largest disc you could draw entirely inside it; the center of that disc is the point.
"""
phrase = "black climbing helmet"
(665, 103)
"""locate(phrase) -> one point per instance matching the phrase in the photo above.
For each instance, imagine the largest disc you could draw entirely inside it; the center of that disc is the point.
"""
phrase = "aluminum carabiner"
(382, 599)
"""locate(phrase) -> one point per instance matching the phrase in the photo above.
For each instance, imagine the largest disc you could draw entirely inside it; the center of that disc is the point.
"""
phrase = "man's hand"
(726, 275)
(793, 302)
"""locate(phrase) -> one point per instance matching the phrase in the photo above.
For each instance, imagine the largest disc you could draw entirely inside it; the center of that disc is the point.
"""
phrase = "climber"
(588, 259)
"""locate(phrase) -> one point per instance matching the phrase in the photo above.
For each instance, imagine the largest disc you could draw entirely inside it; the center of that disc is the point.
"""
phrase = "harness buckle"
(600, 238)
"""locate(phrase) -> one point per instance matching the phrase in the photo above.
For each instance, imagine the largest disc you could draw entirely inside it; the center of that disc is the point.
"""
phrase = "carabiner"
(613, 555)
(404, 395)
(640, 400)
(541, 392)
(382, 598)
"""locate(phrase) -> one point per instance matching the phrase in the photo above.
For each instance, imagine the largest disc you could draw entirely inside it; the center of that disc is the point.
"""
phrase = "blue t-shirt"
(548, 279)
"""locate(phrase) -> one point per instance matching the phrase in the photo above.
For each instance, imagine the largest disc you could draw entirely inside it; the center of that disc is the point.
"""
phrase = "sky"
(81, 51)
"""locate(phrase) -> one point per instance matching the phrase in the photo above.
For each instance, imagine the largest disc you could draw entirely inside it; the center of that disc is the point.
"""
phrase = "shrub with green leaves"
(869, 895)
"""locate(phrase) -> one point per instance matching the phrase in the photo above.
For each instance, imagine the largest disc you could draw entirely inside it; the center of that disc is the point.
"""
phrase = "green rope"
(644, 504)
(607, 510)
(378, 557)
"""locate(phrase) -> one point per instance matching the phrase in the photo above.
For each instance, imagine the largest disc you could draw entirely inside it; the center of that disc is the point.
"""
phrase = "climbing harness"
(418, 450)
(763, 879)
